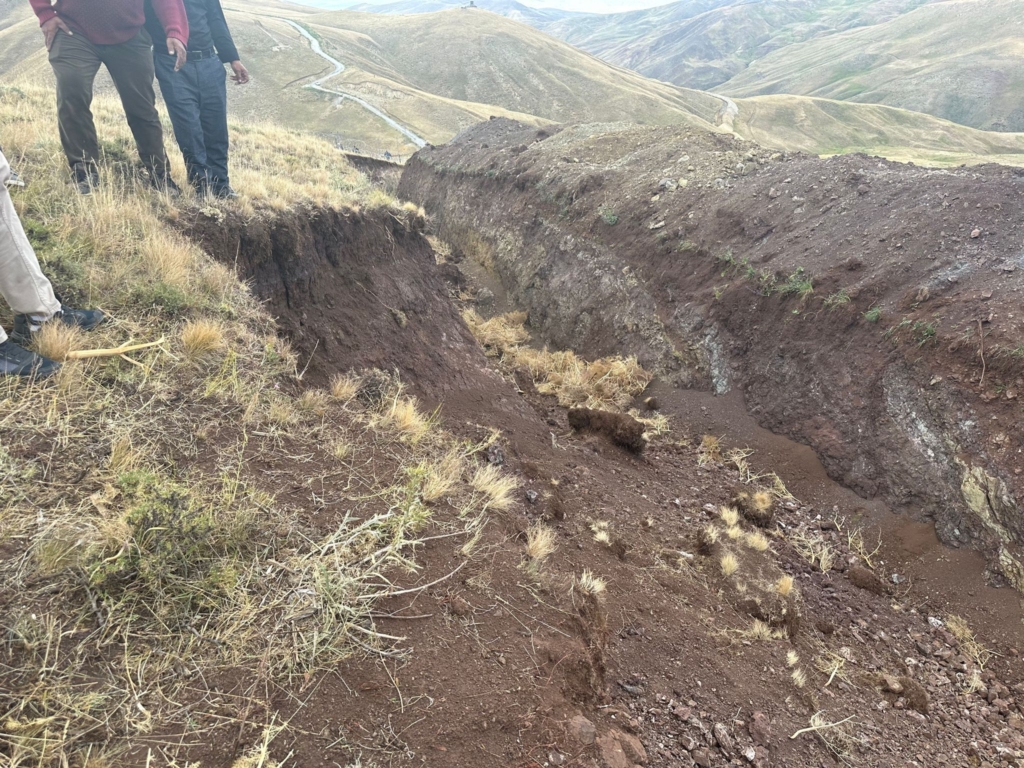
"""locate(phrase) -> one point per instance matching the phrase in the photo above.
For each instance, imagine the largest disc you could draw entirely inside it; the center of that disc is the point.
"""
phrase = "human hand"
(50, 29)
(241, 76)
(177, 48)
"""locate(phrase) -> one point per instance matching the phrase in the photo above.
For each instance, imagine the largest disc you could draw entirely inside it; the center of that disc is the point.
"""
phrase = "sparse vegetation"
(540, 543)
(608, 216)
(729, 564)
(813, 547)
(798, 284)
(873, 315)
(496, 487)
(784, 586)
(836, 300)
(969, 644)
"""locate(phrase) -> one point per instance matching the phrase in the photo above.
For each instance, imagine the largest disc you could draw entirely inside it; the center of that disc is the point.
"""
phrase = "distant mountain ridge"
(962, 60)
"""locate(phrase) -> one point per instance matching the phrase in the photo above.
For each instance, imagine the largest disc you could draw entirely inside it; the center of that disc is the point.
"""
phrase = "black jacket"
(207, 29)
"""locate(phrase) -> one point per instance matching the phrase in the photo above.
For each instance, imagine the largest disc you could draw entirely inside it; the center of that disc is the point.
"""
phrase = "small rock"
(612, 754)
(495, 454)
(866, 580)
(760, 729)
(897, 579)
(485, 297)
(750, 754)
(937, 623)
(975, 234)
(658, 225)
(670, 184)
(721, 734)
(891, 684)
(632, 747)
(556, 758)
(582, 730)
(701, 757)
(532, 496)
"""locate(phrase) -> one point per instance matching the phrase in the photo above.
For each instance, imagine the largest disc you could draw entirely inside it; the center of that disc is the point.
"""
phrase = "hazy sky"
(590, 6)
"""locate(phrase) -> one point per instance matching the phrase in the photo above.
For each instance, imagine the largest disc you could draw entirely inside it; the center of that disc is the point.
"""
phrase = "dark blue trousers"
(197, 101)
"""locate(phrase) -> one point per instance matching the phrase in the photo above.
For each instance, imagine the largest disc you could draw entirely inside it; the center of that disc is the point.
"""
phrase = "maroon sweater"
(109, 22)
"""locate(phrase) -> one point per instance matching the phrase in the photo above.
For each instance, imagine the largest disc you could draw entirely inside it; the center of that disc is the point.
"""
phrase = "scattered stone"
(975, 234)
(657, 225)
(532, 496)
(632, 747)
(556, 758)
(495, 454)
(891, 684)
(865, 579)
(701, 757)
(750, 754)
(760, 729)
(670, 184)
(721, 734)
(582, 730)
(937, 623)
(612, 753)
(485, 297)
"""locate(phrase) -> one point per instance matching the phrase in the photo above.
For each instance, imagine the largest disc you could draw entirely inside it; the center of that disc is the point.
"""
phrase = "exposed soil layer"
(514, 663)
(867, 309)
(352, 290)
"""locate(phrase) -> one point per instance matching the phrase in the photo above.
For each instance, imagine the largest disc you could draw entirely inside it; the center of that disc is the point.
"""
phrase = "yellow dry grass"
(55, 340)
(540, 542)
(496, 486)
(344, 386)
(160, 530)
(610, 383)
(756, 541)
(202, 337)
(784, 586)
(590, 584)
(728, 564)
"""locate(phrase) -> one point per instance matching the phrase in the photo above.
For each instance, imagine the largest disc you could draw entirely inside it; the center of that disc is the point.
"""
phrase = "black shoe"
(86, 319)
(87, 178)
(17, 361)
(225, 193)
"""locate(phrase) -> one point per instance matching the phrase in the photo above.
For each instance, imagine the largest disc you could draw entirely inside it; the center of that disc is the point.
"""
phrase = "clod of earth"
(622, 429)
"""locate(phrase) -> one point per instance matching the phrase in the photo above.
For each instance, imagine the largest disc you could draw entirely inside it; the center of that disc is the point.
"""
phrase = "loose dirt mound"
(868, 309)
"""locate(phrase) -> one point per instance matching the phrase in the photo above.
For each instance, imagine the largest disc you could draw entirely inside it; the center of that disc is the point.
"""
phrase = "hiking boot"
(25, 326)
(17, 361)
(225, 193)
(87, 178)
(15, 180)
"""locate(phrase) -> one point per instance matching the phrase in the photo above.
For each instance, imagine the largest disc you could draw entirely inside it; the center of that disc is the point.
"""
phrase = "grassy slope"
(495, 66)
(481, 57)
(140, 538)
(959, 59)
(702, 43)
(821, 126)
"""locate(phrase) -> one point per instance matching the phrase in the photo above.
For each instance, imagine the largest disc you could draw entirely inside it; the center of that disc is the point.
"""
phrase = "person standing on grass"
(196, 94)
(83, 34)
(29, 294)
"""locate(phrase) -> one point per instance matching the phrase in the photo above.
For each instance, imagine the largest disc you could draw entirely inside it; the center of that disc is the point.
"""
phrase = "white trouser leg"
(22, 283)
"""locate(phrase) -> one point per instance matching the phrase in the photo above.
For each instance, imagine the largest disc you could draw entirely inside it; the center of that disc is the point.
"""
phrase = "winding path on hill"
(730, 111)
(318, 85)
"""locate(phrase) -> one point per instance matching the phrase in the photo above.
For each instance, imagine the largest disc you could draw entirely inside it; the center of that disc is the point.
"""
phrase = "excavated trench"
(865, 309)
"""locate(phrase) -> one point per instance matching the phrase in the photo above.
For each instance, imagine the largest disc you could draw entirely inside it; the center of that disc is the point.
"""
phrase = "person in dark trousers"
(83, 34)
(196, 95)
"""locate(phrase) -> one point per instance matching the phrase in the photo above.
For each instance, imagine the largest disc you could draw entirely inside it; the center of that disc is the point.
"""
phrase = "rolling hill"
(959, 59)
(436, 74)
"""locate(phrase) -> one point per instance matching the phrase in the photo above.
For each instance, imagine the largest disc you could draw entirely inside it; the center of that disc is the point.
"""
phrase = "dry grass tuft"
(757, 541)
(540, 542)
(442, 476)
(200, 338)
(734, 532)
(709, 451)
(313, 401)
(760, 632)
(968, 642)
(55, 340)
(784, 586)
(792, 659)
(496, 486)
(762, 501)
(729, 516)
(728, 564)
(404, 416)
(813, 547)
(799, 678)
(344, 386)
(610, 383)
(589, 584)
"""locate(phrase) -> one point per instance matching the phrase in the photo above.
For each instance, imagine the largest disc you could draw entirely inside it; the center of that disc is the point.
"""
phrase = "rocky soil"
(682, 660)
(867, 309)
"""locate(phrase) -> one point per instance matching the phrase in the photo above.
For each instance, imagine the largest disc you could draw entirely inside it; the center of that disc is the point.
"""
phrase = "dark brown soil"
(867, 309)
(513, 666)
(622, 429)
